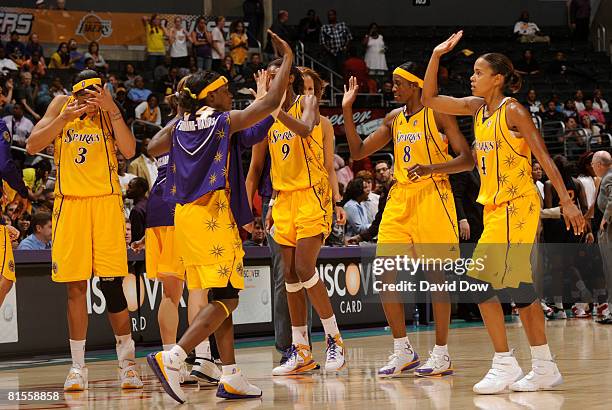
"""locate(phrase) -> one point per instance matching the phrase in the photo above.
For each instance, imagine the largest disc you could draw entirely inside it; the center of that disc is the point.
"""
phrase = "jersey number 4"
(81, 155)
(483, 167)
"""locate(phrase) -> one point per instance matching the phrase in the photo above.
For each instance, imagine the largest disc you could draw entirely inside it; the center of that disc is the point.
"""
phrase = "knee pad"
(112, 289)
(293, 287)
(314, 279)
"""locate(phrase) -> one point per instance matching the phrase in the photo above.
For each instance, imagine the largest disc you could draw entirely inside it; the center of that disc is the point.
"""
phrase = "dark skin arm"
(162, 141)
(258, 158)
(519, 119)
(310, 117)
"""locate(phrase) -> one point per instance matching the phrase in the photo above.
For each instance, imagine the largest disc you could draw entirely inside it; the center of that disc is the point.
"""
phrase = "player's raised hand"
(350, 92)
(73, 110)
(449, 44)
(262, 79)
(102, 98)
(281, 45)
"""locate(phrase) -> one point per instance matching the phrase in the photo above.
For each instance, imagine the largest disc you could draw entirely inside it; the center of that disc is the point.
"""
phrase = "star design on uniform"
(112, 168)
(212, 179)
(231, 226)
(173, 190)
(520, 225)
(444, 196)
(237, 244)
(223, 271)
(217, 251)
(173, 212)
(218, 157)
(512, 209)
(510, 160)
(308, 159)
(503, 179)
(224, 171)
(220, 205)
(227, 119)
(220, 134)
(522, 173)
(498, 143)
(212, 224)
(320, 190)
(512, 190)
(240, 269)
(173, 168)
(318, 156)
(56, 214)
(531, 207)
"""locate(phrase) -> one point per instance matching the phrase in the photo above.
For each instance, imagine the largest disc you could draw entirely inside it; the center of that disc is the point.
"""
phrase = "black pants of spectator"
(216, 64)
(335, 62)
(180, 62)
(582, 29)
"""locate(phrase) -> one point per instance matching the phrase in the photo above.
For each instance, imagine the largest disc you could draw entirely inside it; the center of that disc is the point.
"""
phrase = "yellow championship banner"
(108, 29)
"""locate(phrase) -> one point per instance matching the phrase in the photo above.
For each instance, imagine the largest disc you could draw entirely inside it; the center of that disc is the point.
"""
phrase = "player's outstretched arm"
(162, 141)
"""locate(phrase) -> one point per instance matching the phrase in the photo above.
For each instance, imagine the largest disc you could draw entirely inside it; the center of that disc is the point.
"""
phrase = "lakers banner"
(110, 29)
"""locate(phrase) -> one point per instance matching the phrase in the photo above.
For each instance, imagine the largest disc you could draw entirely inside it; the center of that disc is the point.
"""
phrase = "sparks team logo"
(7, 136)
(11, 266)
(93, 28)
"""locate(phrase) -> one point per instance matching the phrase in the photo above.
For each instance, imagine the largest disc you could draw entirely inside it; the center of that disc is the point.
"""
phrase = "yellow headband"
(407, 75)
(215, 85)
(85, 83)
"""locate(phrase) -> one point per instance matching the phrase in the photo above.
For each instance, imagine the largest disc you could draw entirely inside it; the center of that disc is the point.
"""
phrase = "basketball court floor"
(583, 352)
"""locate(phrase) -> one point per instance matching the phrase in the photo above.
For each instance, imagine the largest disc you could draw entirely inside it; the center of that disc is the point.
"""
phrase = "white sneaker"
(129, 377)
(579, 311)
(400, 362)
(167, 369)
(299, 361)
(436, 365)
(237, 386)
(503, 372)
(205, 371)
(544, 375)
(76, 379)
(185, 377)
(335, 353)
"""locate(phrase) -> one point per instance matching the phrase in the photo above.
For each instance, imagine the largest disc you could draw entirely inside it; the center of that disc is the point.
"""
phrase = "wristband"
(271, 203)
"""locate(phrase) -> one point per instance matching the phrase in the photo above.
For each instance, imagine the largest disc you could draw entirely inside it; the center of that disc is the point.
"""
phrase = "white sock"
(400, 344)
(126, 350)
(541, 352)
(230, 369)
(177, 354)
(441, 350)
(202, 350)
(77, 351)
(330, 326)
(503, 354)
(168, 347)
(299, 335)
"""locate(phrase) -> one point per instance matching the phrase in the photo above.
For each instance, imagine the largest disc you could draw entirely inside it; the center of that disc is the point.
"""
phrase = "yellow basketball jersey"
(504, 158)
(297, 163)
(416, 140)
(85, 157)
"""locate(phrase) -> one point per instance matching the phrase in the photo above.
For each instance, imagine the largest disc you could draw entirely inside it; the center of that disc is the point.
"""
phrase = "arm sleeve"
(9, 171)
(255, 134)
(458, 183)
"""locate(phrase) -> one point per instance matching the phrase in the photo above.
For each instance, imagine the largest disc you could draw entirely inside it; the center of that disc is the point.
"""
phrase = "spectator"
(371, 232)
(239, 44)
(40, 239)
(34, 46)
(6, 95)
(130, 76)
(382, 175)
(156, 49)
(257, 236)
(253, 12)
(551, 113)
(23, 224)
(77, 59)
(602, 167)
(61, 58)
(218, 43)
(355, 66)
(586, 176)
(144, 166)
(281, 29)
(599, 103)
(90, 64)
(574, 138)
(124, 177)
(25, 93)
(40, 4)
(590, 128)
(527, 31)
(137, 192)
(533, 104)
(558, 104)
(6, 64)
(15, 50)
(163, 69)
(228, 69)
(252, 68)
(569, 109)
(93, 51)
(595, 114)
(177, 37)
(387, 92)
(60, 5)
(375, 49)
(139, 93)
(36, 178)
(19, 125)
(310, 27)
(343, 172)
(202, 40)
(149, 110)
(528, 64)
(579, 100)
(170, 82)
(580, 18)
(356, 214)
(128, 232)
(113, 82)
(559, 65)
(57, 88)
(536, 175)
(371, 204)
(35, 65)
(124, 104)
(335, 38)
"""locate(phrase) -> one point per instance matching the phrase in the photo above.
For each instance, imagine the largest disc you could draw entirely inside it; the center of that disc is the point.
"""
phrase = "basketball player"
(88, 221)
(421, 195)
(204, 167)
(11, 174)
(300, 217)
(505, 140)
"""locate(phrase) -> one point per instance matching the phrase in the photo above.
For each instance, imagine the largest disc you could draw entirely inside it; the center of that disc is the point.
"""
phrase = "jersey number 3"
(81, 155)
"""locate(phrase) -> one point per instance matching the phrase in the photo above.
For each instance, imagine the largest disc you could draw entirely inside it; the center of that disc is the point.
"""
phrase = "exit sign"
(422, 3)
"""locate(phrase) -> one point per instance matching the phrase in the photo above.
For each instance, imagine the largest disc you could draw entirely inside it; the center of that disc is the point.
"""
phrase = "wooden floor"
(583, 352)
